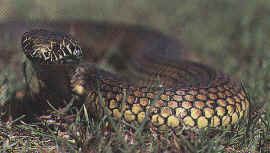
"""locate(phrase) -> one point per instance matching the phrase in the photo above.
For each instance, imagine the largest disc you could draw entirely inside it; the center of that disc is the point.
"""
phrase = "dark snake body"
(152, 79)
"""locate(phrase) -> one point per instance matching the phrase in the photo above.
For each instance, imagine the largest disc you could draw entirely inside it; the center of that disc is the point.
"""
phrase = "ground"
(228, 35)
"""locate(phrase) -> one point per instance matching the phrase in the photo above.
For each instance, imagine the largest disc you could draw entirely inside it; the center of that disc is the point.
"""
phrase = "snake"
(156, 86)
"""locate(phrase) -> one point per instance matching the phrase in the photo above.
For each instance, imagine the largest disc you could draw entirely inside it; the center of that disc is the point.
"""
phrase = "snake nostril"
(187, 92)
(43, 46)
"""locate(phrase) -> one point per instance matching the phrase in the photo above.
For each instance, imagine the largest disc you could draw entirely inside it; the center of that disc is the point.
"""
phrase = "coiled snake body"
(169, 91)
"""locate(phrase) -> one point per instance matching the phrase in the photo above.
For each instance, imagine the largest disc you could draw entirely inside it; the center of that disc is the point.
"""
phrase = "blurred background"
(229, 35)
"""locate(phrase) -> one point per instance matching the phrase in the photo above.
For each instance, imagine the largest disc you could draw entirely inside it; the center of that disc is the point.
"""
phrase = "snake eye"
(77, 51)
(43, 46)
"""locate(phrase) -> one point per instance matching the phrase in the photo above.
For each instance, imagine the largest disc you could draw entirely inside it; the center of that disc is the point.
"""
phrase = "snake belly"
(167, 91)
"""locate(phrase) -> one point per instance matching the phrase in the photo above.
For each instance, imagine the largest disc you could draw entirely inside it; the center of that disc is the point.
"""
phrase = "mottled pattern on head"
(47, 47)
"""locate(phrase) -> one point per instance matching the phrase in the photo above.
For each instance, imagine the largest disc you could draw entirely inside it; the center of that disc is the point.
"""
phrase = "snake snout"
(193, 95)
(48, 47)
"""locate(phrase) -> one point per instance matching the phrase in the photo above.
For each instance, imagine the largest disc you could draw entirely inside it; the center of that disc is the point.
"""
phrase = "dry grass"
(229, 35)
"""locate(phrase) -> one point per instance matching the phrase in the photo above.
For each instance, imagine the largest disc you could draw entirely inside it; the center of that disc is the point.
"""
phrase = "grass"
(229, 35)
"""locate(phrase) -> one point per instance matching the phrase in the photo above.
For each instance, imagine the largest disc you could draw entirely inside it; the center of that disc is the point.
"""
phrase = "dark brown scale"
(176, 92)
(45, 47)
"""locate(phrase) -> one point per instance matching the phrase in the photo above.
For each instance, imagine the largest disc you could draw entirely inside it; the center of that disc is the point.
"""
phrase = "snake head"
(47, 47)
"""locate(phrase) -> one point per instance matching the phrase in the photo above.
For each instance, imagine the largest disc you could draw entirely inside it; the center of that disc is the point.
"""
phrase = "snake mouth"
(48, 47)
(179, 91)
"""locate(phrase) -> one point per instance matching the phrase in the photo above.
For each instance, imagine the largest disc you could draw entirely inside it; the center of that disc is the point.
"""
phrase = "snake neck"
(87, 77)
(51, 82)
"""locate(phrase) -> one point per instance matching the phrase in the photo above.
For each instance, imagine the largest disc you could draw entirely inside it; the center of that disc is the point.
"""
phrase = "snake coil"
(175, 92)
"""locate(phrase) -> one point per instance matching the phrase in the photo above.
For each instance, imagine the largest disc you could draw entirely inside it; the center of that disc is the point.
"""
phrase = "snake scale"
(155, 83)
